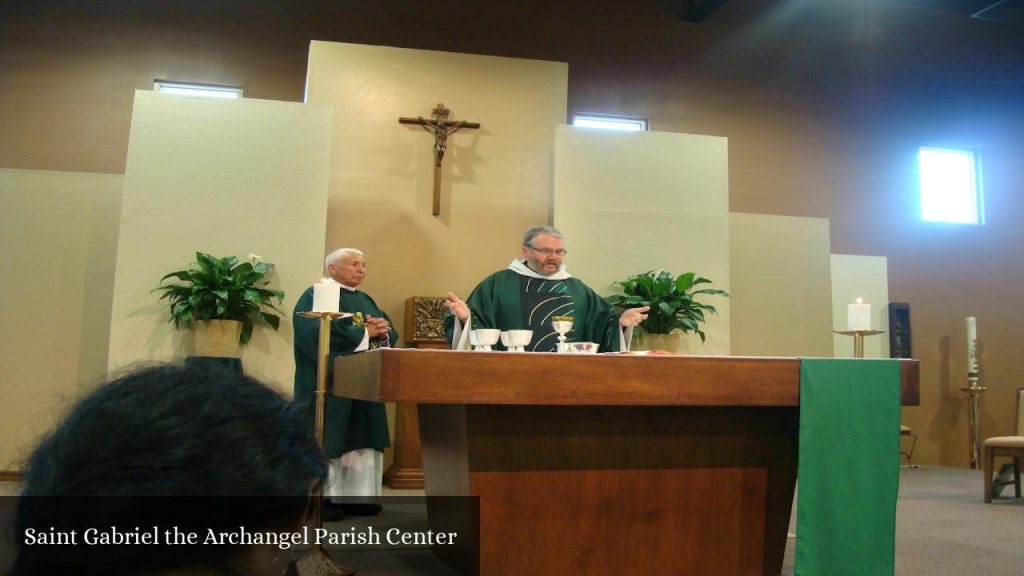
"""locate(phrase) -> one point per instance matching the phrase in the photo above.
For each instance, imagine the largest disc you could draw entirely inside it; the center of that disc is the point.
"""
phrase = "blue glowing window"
(950, 185)
(197, 90)
(602, 122)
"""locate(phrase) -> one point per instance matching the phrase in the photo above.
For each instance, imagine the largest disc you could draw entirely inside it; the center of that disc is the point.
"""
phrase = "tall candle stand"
(317, 562)
(974, 391)
(858, 339)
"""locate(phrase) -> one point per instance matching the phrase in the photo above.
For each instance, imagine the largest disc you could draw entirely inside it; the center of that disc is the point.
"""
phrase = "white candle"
(972, 346)
(858, 316)
(326, 296)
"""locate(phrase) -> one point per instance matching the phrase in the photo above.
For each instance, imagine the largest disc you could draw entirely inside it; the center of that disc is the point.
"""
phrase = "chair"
(906, 431)
(1006, 446)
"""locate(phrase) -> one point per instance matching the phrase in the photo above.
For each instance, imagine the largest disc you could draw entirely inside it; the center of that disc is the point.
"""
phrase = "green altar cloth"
(848, 471)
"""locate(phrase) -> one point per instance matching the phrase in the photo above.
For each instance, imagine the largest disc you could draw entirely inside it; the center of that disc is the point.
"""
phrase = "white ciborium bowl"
(486, 337)
(519, 339)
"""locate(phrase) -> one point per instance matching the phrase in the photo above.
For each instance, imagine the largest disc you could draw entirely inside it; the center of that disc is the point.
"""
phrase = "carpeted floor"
(944, 528)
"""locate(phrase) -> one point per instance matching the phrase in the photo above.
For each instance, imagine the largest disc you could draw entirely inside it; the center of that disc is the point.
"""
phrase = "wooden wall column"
(424, 328)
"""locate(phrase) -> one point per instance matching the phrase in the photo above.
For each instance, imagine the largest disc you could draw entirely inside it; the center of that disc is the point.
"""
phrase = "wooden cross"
(440, 127)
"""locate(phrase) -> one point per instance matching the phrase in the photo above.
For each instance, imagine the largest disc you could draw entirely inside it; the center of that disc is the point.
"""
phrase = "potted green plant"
(222, 299)
(675, 309)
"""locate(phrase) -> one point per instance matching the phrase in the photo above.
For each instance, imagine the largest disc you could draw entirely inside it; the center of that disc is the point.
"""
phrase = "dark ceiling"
(1007, 11)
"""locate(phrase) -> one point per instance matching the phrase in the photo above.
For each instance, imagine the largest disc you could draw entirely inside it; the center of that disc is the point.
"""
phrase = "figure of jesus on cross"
(441, 128)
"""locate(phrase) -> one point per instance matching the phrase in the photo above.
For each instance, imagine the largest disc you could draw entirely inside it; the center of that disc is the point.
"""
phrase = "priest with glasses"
(534, 289)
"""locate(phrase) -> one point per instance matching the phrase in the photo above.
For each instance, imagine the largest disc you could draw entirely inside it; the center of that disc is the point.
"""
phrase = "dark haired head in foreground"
(192, 448)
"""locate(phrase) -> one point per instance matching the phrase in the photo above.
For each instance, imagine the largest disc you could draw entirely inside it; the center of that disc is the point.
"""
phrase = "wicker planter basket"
(667, 342)
(218, 338)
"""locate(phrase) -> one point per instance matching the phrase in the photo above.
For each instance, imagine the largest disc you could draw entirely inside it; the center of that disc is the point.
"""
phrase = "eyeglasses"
(548, 251)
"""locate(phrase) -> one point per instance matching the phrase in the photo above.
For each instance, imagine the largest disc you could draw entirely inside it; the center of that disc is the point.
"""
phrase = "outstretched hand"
(633, 316)
(457, 306)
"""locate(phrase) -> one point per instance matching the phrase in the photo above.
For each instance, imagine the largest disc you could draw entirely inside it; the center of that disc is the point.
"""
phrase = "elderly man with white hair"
(356, 431)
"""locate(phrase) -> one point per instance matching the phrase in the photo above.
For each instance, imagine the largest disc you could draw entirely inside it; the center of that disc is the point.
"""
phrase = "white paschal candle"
(326, 296)
(858, 316)
(972, 346)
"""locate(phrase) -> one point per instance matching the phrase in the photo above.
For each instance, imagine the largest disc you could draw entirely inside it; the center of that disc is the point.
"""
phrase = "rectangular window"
(602, 122)
(197, 90)
(950, 185)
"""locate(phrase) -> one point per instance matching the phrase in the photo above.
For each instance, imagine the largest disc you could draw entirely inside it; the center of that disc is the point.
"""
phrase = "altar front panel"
(638, 490)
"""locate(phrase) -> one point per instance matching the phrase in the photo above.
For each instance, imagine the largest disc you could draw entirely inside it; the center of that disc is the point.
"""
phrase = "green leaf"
(206, 262)
(183, 275)
(643, 285)
(263, 268)
(246, 334)
(665, 308)
(272, 320)
(684, 282)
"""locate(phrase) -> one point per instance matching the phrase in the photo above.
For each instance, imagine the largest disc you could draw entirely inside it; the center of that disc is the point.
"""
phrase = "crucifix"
(440, 127)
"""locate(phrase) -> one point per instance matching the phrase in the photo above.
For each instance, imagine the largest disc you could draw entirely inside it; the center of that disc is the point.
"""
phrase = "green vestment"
(510, 301)
(350, 424)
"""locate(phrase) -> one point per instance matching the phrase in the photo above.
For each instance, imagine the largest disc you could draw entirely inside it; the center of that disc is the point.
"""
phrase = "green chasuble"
(849, 460)
(510, 301)
(350, 424)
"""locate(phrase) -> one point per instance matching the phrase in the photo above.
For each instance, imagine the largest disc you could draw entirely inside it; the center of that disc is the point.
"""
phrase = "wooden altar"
(605, 464)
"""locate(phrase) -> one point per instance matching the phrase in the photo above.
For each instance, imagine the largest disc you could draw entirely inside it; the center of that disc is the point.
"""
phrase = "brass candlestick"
(317, 562)
(973, 391)
(858, 339)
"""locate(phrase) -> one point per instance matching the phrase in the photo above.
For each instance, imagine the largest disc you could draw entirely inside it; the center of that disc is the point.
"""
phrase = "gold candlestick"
(858, 339)
(974, 391)
(317, 562)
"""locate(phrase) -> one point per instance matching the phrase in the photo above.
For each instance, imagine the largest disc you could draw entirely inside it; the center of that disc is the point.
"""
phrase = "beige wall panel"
(864, 277)
(58, 241)
(227, 178)
(781, 286)
(496, 180)
(628, 203)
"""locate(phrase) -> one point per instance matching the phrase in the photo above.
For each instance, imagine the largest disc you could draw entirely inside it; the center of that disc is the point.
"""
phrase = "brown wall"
(824, 104)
